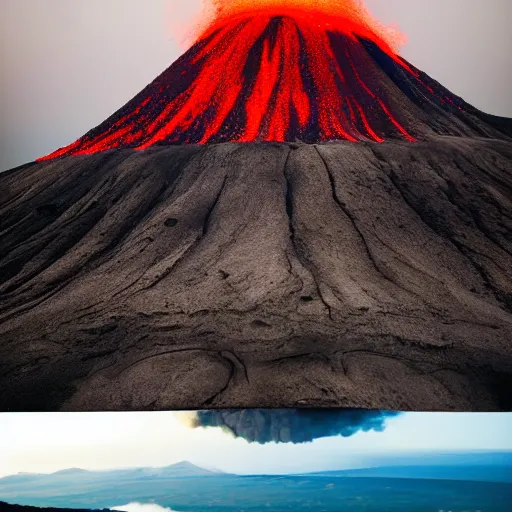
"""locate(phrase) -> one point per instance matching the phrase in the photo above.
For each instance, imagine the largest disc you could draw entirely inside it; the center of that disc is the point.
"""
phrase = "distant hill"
(71, 471)
(76, 481)
(182, 469)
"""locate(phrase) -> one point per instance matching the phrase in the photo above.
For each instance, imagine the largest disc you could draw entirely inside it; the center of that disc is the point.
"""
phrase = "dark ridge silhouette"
(155, 273)
(7, 507)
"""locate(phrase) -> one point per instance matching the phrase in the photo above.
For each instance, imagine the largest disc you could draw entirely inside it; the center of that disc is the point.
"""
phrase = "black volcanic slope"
(264, 274)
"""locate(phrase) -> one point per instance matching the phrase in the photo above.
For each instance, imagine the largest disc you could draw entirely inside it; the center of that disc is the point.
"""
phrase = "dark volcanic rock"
(260, 275)
(6, 507)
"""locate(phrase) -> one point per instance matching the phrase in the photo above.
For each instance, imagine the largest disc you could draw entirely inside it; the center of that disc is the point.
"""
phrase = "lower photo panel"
(256, 460)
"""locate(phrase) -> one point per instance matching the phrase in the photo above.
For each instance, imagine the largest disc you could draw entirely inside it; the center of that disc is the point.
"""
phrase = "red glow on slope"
(276, 77)
(402, 130)
(208, 90)
(267, 70)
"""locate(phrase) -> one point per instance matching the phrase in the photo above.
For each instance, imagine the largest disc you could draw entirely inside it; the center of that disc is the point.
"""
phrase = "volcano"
(291, 215)
(306, 77)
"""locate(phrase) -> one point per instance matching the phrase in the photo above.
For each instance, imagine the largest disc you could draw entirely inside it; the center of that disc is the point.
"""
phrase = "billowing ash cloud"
(291, 425)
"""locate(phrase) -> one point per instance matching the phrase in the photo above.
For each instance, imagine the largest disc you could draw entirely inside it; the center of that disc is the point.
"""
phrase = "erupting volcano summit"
(291, 215)
(286, 71)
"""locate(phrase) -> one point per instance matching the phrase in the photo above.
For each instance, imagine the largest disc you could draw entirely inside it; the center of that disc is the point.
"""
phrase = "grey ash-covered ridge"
(260, 275)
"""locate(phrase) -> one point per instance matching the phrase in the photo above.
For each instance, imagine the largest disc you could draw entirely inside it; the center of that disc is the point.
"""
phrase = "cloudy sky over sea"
(47, 442)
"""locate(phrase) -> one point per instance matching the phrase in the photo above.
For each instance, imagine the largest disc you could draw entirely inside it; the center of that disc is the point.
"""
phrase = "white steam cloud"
(142, 507)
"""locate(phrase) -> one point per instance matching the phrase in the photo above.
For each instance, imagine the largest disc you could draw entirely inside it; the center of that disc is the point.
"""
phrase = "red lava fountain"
(276, 70)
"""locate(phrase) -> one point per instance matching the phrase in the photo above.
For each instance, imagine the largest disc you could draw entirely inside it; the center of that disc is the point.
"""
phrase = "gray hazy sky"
(66, 65)
(49, 442)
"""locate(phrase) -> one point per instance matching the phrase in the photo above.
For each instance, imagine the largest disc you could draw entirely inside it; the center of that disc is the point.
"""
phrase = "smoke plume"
(291, 425)
(218, 11)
